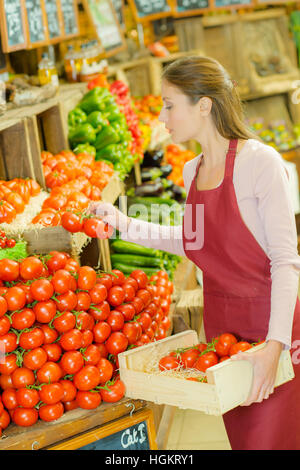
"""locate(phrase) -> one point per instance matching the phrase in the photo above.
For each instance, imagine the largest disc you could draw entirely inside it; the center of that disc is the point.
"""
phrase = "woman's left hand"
(265, 363)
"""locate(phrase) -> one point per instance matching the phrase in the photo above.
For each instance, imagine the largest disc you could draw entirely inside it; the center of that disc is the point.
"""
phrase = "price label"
(37, 29)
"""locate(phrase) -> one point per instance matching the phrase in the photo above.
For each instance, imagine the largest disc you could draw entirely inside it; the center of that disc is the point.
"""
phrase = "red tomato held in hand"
(71, 222)
(205, 361)
(241, 346)
(224, 343)
(168, 363)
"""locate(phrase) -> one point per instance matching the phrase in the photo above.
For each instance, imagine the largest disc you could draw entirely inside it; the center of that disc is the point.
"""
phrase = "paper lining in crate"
(228, 383)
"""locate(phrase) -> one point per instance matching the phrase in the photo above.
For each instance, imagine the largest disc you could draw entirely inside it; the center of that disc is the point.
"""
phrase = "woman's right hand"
(109, 214)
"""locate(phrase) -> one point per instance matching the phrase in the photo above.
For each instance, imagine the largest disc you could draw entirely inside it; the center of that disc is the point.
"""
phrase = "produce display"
(11, 248)
(74, 181)
(104, 122)
(276, 133)
(177, 157)
(15, 194)
(62, 327)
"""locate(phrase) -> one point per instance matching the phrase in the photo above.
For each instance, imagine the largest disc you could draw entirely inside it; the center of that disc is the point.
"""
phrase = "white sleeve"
(271, 188)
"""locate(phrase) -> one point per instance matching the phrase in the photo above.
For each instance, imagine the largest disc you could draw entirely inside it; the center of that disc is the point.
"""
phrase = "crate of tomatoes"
(182, 372)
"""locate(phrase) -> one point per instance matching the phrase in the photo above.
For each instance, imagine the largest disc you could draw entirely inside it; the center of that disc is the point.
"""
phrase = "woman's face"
(181, 117)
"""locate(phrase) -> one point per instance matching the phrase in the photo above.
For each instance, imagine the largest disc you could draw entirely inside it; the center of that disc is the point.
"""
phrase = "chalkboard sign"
(13, 25)
(229, 4)
(135, 432)
(119, 9)
(54, 20)
(148, 10)
(36, 23)
(3, 68)
(70, 17)
(103, 17)
(189, 7)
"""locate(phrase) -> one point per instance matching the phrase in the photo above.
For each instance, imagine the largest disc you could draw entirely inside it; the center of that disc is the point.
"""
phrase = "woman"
(248, 251)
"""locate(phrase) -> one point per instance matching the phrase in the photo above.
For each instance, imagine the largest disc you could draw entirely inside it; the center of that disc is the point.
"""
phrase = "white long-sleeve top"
(264, 200)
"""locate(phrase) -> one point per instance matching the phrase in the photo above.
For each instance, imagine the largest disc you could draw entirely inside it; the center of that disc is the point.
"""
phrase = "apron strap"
(230, 156)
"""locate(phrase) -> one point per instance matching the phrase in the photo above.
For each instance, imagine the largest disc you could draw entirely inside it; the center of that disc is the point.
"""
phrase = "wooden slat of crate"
(190, 307)
(228, 386)
(74, 422)
(190, 33)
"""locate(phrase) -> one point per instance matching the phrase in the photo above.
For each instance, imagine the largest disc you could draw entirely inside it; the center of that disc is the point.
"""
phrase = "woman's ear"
(205, 104)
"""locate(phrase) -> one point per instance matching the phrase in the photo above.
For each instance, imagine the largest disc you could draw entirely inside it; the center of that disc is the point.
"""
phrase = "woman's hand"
(109, 214)
(265, 363)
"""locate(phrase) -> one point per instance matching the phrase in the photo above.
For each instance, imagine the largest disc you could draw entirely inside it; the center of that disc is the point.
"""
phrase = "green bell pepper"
(76, 116)
(97, 120)
(113, 113)
(94, 100)
(85, 148)
(107, 136)
(111, 152)
(84, 133)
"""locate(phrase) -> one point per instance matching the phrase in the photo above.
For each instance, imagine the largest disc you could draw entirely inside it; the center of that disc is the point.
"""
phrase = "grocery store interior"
(86, 316)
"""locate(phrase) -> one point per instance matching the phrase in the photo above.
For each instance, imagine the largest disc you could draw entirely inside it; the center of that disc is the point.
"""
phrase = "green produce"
(150, 174)
(96, 99)
(112, 152)
(122, 246)
(107, 136)
(97, 120)
(85, 148)
(84, 133)
(17, 253)
(76, 116)
(136, 260)
(127, 269)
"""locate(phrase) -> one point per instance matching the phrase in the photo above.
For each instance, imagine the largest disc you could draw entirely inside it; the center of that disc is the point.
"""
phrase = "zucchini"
(134, 260)
(127, 269)
(121, 246)
(151, 200)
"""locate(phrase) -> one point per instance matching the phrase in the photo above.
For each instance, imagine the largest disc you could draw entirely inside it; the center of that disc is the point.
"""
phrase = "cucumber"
(134, 260)
(127, 269)
(120, 246)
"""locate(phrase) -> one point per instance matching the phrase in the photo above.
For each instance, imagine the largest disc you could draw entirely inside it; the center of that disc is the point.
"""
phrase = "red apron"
(237, 298)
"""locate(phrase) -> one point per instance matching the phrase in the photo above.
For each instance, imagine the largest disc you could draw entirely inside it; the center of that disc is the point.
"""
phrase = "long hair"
(198, 76)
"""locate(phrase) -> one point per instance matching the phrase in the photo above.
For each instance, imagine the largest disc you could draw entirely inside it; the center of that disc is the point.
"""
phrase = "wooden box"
(228, 384)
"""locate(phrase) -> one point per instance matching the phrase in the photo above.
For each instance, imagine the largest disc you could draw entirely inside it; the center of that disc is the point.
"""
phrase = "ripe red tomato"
(3, 306)
(115, 393)
(45, 311)
(54, 351)
(205, 361)
(115, 320)
(31, 268)
(69, 390)
(51, 393)
(241, 346)
(224, 343)
(94, 228)
(168, 363)
(72, 362)
(118, 278)
(9, 398)
(127, 310)
(9, 270)
(106, 280)
(132, 331)
(71, 222)
(57, 261)
(49, 372)
(9, 341)
(4, 325)
(115, 296)
(101, 311)
(88, 400)
(83, 301)
(22, 319)
(86, 278)
(64, 322)
(8, 364)
(98, 293)
(50, 335)
(25, 416)
(51, 412)
(31, 339)
(22, 377)
(27, 397)
(67, 301)
(15, 298)
(72, 339)
(189, 357)
(87, 378)
(41, 289)
(129, 291)
(106, 370)
(35, 358)
(91, 355)
(101, 331)
(138, 304)
(62, 281)
(141, 277)
(116, 343)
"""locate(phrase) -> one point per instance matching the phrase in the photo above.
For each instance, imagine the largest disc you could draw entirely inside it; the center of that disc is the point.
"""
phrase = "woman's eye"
(168, 107)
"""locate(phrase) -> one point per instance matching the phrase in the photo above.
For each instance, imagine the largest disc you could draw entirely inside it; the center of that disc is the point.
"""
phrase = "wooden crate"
(190, 33)
(190, 307)
(228, 386)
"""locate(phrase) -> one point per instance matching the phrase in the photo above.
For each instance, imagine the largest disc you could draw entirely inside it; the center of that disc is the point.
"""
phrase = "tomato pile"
(14, 196)
(6, 242)
(74, 181)
(204, 355)
(91, 226)
(62, 327)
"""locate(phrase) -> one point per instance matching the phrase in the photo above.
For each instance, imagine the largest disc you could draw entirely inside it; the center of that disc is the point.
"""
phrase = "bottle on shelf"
(70, 65)
(47, 72)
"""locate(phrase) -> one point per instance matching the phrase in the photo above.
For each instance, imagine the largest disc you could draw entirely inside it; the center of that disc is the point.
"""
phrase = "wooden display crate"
(228, 386)
(190, 33)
